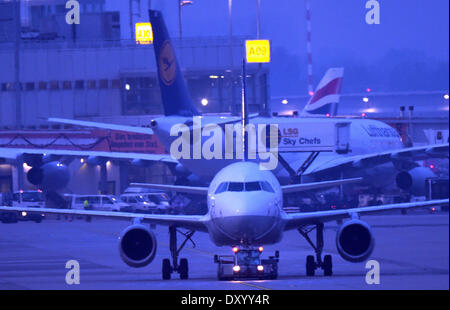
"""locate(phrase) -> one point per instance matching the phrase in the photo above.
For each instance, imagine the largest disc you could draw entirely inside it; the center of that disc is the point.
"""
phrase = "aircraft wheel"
(184, 269)
(274, 275)
(310, 266)
(166, 269)
(327, 265)
(221, 276)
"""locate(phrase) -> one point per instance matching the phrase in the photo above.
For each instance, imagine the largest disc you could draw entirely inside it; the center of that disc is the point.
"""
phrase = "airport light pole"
(230, 48)
(17, 64)
(230, 30)
(244, 110)
(181, 3)
(258, 19)
(263, 99)
(134, 7)
(410, 122)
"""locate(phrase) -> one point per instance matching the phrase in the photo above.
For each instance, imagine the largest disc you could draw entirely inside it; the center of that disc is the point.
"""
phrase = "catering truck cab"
(246, 264)
(29, 199)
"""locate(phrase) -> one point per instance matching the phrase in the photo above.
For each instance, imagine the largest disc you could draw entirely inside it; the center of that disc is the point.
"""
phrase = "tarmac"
(412, 251)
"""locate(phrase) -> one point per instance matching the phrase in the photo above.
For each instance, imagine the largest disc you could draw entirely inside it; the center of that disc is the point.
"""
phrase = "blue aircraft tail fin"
(175, 95)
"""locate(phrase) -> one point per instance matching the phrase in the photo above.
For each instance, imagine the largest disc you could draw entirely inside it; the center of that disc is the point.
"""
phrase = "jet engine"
(354, 241)
(50, 176)
(414, 180)
(137, 245)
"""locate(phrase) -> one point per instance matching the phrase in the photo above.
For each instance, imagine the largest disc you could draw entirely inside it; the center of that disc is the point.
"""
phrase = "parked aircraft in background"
(309, 149)
(326, 97)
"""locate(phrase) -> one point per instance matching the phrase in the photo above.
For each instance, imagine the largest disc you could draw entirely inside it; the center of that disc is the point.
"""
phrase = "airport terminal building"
(92, 72)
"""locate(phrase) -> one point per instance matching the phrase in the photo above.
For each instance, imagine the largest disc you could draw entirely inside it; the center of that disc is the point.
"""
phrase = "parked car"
(139, 203)
(99, 203)
(161, 200)
(29, 199)
(7, 216)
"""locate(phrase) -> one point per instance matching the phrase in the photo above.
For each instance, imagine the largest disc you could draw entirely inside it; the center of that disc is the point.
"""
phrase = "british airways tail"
(326, 97)
(175, 95)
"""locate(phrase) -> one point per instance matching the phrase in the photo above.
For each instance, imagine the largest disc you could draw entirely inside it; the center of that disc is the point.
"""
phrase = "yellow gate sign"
(258, 50)
(144, 33)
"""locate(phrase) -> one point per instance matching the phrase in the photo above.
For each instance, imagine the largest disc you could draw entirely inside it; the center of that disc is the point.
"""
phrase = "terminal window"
(103, 83)
(67, 85)
(29, 86)
(42, 85)
(54, 85)
(91, 84)
(6, 86)
(140, 95)
(79, 84)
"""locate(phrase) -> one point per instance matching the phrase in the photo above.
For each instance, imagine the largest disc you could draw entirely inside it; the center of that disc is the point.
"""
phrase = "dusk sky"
(407, 51)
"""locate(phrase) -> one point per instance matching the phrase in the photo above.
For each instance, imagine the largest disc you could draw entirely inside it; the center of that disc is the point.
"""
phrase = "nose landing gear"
(312, 264)
(183, 267)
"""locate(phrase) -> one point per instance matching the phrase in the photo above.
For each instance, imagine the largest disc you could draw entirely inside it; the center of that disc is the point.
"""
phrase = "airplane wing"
(175, 188)
(315, 185)
(370, 160)
(196, 222)
(286, 189)
(11, 154)
(145, 130)
(296, 220)
(136, 129)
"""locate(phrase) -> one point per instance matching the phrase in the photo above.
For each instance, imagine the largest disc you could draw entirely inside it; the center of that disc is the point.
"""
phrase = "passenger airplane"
(310, 148)
(244, 210)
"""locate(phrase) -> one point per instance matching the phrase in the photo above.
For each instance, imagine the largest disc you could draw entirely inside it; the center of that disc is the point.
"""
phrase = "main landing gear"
(182, 268)
(311, 265)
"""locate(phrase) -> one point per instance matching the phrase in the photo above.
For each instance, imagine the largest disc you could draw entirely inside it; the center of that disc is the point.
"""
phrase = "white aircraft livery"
(313, 147)
(245, 202)
(310, 148)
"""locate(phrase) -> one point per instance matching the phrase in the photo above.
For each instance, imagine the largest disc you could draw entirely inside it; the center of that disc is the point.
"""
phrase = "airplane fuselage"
(245, 206)
(332, 138)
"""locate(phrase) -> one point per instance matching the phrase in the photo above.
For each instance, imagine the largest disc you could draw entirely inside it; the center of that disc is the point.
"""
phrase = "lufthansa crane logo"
(166, 63)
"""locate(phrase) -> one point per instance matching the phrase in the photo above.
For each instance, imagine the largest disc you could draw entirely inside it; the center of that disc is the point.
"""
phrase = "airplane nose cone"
(245, 218)
(246, 227)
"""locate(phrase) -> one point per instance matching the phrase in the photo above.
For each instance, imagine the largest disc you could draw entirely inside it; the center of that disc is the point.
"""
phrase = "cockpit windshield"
(267, 187)
(235, 187)
(247, 187)
(222, 188)
(252, 186)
